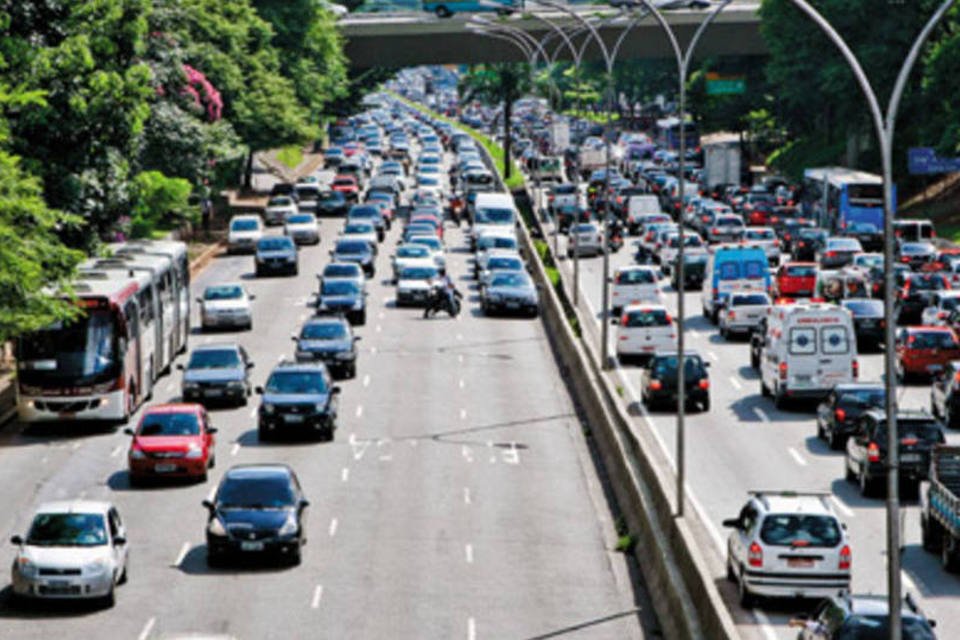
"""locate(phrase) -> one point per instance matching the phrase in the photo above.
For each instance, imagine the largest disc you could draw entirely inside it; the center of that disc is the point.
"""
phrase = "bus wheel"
(443, 12)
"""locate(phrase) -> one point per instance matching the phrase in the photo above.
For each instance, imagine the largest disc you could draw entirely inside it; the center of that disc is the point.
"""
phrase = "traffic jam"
(790, 275)
(380, 207)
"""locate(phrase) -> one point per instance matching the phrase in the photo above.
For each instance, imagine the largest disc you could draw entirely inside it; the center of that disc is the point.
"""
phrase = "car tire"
(295, 558)
(746, 598)
(203, 477)
(754, 360)
(214, 560)
(123, 576)
(779, 399)
(705, 405)
(931, 534)
(362, 318)
(108, 601)
(764, 389)
(835, 441)
(949, 555)
(262, 434)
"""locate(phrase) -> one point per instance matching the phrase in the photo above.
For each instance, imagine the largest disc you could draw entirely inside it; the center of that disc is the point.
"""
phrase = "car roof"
(74, 506)
(801, 503)
(258, 470)
(216, 346)
(309, 367)
(174, 407)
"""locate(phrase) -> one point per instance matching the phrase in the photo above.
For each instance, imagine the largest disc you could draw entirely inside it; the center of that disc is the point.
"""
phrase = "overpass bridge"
(410, 39)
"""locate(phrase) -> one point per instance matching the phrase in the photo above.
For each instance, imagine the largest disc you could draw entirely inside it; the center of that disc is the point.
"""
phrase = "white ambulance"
(807, 350)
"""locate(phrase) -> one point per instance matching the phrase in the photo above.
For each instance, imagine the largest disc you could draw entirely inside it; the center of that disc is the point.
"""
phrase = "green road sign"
(726, 86)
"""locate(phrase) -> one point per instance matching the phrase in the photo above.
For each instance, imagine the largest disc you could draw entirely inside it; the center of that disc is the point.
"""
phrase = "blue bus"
(851, 196)
(446, 8)
(668, 134)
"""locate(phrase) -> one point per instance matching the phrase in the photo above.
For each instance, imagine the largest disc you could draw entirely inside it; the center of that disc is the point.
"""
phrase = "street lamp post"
(683, 59)
(884, 128)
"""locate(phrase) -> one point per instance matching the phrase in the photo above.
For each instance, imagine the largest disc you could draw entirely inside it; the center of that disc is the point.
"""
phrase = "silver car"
(303, 228)
(225, 305)
(585, 238)
(73, 550)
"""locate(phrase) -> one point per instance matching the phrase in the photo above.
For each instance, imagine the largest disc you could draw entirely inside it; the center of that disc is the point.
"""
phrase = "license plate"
(911, 457)
(799, 563)
(934, 367)
(165, 468)
(648, 348)
(292, 418)
(59, 584)
(802, 378)
(213, 392)
(513, 305)
(251, 546)
(67, 415)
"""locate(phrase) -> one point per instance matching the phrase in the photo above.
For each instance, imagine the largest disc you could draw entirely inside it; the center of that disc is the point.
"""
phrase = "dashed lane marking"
(183, 554)
(317, 595)
(147, 629)
(796, 456)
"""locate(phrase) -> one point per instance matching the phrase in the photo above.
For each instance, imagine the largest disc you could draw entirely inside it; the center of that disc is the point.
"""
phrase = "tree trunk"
(507, 109)
(248, 172)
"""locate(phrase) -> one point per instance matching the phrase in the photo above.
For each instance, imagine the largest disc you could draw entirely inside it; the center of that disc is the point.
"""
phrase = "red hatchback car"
(925, 351)
(172, 440)
(796, 280)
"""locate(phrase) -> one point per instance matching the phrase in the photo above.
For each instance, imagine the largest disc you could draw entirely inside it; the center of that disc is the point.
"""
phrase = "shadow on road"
(12, 606)
(195, 563)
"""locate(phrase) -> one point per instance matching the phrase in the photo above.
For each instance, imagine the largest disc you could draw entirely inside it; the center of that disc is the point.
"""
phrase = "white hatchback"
(643, 330)
(633, 285)
(243, 233)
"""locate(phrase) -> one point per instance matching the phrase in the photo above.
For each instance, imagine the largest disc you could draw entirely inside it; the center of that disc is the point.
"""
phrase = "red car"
(347, 185)
(352, 148)
(925, 351)
(796, 280)
(171, 440)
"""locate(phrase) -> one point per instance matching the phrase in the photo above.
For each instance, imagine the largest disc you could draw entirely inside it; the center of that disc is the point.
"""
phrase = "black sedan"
(838, 414)
(658, 383)
(868, 321)
(356, 251)
(806, 244)
(869, 236)
(257, 509)
(298, 399)
(332, 203)
(217, 373)
(340, 295)
(329, 340)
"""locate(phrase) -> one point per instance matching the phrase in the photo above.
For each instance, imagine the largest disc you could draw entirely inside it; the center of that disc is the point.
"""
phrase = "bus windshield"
(81, 352)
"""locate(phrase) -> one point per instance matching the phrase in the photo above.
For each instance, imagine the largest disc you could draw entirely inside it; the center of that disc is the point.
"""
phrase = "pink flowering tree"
(204, 95)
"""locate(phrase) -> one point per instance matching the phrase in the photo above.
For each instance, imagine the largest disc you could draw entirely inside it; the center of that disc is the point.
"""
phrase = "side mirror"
(179, 366)
(294, 337)
(357, 338)
(706, 364)
(733, 523)
(304, 503)
(212, 430)
(250, 365)
(16, 540)
(119, 541)
(335, 390)
(614, 321)
(253, 297)
(129, 431)
(199, 300)
(258, 390)
(207, 504)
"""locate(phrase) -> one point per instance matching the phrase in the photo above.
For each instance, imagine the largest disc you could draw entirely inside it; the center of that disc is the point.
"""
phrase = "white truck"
(721, 159)
(593, 156)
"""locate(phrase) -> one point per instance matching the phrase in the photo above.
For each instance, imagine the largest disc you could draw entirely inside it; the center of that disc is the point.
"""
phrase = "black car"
(276, 254)
(865, 460)
(329, 340)
(864, 617)
(945, 395)
(342, 295)
(838, 414)
(356, 251)
(868, 321)
(298, 398)
(789, 231)
(915, 293)
(217, 373)
(568, 214)
(284, 189)
(258, 509)
(332, 203)
(369, 213)
(694, 268)
(870, 237)
(808, 241)
(658, 383)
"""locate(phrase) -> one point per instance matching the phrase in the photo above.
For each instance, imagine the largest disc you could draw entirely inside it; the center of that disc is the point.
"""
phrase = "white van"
(495, 211)
(808, 349)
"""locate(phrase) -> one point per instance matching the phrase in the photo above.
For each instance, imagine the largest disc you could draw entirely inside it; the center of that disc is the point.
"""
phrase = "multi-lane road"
(459, 499)
(745, 443)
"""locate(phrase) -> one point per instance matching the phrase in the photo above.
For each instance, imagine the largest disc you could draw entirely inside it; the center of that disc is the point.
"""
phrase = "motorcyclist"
(444, 295)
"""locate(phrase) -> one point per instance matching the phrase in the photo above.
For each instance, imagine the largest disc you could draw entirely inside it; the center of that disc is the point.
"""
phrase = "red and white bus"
(89, 368)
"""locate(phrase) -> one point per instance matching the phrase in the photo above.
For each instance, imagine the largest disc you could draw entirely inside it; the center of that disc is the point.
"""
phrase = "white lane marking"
(735, 382)
(317, 594)
(512, 455)
(460, 358)
(359, 448)
(379, 328)
(373, 350)
(471, 629)
(235, 449)
(147, 629)
(183, 554)
(253, 412)
(796, 456)
(465, 450)
(466, 495)
(461, 384)
(713, 356)
(366, 380)
(761, 414)
(116, 451)
(468, 551)
(281, 357)
(333, 527)
(381, 315)
(359, 410)
(344, 474)
(463, 414)
(459, 336)
(212, 492)
(842, 507)
(765, 626)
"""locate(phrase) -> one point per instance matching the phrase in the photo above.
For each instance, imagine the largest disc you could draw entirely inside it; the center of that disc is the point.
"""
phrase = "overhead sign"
(925, 161)
(718, 85)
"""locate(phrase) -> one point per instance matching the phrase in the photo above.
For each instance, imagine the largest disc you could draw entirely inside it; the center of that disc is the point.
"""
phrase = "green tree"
(159, 202)
(498, 83)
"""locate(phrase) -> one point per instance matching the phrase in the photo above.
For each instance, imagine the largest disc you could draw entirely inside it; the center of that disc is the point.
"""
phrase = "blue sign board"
(924, 161)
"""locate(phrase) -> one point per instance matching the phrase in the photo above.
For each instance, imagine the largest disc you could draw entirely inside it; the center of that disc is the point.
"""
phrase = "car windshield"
(301, 218)
(636, 276)
(665, 367)
(648, 318)
(352, 248)
(274, 244)
(339, 288)
(688, 241)
(332, 195)
(750, 298)
(915, 247)
(761, 235)
(926, 283)
(244, 225)
(861, 307)
(223, 292)
(427, 241)
(302, 382)
(169, 424)
(510, 279)
(412, 252)
(861, 627)
(861, 227)
(843, 244)
(494, 216)
(280, 201)
(81, 351)
(504, 264)
(418, 273)
(255, 493)
(68, 530)
(872, 397)
(932, 340)
(729, 222)
(359, 227)
(324, 331)
(214, 359)
(795, 530)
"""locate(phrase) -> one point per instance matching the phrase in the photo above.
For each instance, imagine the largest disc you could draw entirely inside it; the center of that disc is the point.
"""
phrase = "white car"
(498, 261)
(634, 285)
(244, 232)
(941, 304)
(278, 208)
(225, 305)
(415, 282)
(73, 550)
(788, 544)
(863, 262)
(358, 230)
(643, 330)
(692, 245)
(303, 228)
(409, 254)
(767, 238)
(584, 238)
(435, 245)
(488, 241)
(742, 312)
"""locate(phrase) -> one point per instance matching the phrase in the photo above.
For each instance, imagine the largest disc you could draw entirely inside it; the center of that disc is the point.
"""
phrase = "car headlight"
(320, 407)
(494, 297)
(289, 527)
(194, 452)
(235, 384)
(96, 567)
(291, 258)
(137, 454)
(26, 567)
(267, 408)
(215, 527)
(191, 385)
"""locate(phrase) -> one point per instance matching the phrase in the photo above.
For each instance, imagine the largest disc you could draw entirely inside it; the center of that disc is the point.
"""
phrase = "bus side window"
(184, 268)
(166, 288)
(146, 306)
(130, 313)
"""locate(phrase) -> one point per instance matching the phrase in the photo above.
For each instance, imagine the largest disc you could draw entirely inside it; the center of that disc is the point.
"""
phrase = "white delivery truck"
(721, 159)
(808, 349)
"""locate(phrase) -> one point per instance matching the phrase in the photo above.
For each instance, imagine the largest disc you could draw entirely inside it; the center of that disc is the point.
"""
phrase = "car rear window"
(861, 398)
(860, 627)
(648, 318)
(927, 283)
(636, 276)
(802, 271)
(793, 530)
(750, 298)
(729, 221)
(932, 340)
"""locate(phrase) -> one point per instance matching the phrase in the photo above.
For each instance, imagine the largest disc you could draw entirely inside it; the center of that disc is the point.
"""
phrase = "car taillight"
(705, 218)
(873, 452)
(856, 369)
(704, 384)
(801, 244)
(715, 230)
(755, 555)
(840, 415)
(831, 254)
(846, 558)
(731, 315)
(783, 370)
(908, 441)
(904, 258)
(656, 385)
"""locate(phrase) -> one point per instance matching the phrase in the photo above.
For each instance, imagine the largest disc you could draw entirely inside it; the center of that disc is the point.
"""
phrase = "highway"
(745, 443)
(458, 500)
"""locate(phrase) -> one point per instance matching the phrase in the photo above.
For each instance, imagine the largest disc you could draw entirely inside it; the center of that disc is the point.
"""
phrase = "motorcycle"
(440, 300)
